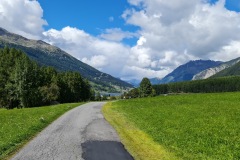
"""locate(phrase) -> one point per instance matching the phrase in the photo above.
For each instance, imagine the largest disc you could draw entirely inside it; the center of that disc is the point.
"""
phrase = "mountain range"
(48, 55)
(225, 69)
(201, 69)
(186, 71)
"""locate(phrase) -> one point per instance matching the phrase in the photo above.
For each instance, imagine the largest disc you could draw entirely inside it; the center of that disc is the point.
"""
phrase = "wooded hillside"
(25, 84)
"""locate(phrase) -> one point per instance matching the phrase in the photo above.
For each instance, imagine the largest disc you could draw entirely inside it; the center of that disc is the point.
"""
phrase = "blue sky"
(91, 16)
(130, 39)
(233, 5)
(94, 16)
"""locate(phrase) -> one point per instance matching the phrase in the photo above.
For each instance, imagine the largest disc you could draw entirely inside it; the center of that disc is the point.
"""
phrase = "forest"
(23, 83)
(210, 85)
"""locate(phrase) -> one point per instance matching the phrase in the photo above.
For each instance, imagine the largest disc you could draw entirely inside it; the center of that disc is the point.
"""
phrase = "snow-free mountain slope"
(186, 71)
(49, 55)
(214, 70)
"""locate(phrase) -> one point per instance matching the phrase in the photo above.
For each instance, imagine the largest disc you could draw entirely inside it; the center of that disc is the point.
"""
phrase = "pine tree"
(145, 88)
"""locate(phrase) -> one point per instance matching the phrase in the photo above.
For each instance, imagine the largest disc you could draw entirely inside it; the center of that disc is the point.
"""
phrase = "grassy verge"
(137, 142)
(20, 125)
(194, 126)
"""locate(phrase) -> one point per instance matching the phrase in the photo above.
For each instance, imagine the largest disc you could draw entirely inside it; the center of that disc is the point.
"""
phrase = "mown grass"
(17, 126)
(191, 126)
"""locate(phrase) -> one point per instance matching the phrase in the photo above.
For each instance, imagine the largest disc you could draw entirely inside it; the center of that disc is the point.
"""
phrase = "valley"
(47, 55)
(187, 126)
(120, 80)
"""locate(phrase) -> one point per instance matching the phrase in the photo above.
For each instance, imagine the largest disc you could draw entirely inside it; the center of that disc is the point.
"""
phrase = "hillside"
(230, 71)
(186, 71)
(48, 55)
(218, 69)
(155, 80)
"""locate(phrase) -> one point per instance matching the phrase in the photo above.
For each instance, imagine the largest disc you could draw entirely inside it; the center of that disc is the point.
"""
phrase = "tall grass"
(191, 126)
(17, 126)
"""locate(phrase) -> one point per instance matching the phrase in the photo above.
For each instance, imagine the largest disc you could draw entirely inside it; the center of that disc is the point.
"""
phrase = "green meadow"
(187, 126)
(17, 126)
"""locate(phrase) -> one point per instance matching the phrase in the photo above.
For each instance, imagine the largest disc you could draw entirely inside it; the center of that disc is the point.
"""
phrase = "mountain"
(218, 69)
(49, 55)
(155, 80)
(186, 71)
(134, 82)
(230, 71)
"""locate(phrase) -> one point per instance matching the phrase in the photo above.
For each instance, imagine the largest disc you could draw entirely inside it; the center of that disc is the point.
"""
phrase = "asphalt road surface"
(80, 134)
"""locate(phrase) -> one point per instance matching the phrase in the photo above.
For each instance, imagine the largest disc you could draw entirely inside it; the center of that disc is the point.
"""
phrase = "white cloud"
(229, 51)
(175, 32)
(108, 56)
(116, 34)
(141, 41)
(23, 17)
(171, 33)
(134, 72)
(97, 60)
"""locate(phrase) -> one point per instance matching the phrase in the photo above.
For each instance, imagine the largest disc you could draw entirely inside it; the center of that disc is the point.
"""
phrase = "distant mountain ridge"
(222, 69)
(134, 82)
(186, 71)
(48, 55)
(233, 70)
(155, 80)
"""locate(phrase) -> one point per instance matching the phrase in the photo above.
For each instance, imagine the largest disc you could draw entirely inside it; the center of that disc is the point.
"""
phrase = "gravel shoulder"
(80, 134)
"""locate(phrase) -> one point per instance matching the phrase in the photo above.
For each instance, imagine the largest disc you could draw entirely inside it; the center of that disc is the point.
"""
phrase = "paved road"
(81, 133)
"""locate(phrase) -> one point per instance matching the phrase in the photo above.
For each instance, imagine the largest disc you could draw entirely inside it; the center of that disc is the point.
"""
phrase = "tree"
(98, 97)
(49, 93)
(26, 82)
(134, 93)
(145, 88)
(23, 83)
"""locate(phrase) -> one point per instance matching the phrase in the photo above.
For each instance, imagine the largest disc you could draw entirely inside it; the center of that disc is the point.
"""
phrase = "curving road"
(81, 133)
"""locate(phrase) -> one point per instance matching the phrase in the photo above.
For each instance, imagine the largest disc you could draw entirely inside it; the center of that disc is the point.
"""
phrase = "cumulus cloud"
(23, 17)
(117, 34)
(106, 55)
(175, 32)
(134, 72)
(232, 49)
(170, 33)
(97, 61)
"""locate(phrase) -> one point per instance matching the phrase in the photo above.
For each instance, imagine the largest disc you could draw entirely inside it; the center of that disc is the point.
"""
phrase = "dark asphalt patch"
(104, 150)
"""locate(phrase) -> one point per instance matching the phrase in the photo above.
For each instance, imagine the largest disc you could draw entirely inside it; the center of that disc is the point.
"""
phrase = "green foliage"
(47, 55)
(24, 84)
(104, 97)
(211, 85)
(134, 93)
(20, 125)
(113, 98)
(145, 88)
(98, 97)
(191, 126)
(49, 93)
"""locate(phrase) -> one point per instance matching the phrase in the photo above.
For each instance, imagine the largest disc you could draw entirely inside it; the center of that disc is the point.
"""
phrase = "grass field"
(17, 126)
(190, 126)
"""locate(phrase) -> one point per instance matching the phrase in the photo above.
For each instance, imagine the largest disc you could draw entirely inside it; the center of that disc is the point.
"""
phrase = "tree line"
(210, 85)
(144, 90)
(23, 83)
